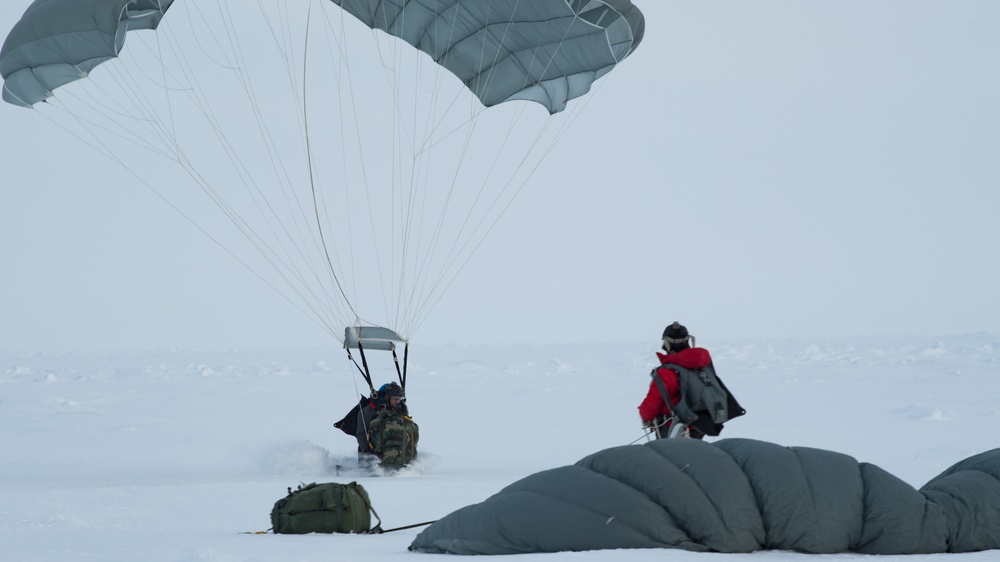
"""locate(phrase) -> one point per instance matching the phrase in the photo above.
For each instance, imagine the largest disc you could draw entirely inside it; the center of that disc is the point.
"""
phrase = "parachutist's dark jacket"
(692, 358)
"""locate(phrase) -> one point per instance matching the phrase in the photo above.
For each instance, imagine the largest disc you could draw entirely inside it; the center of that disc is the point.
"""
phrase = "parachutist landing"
(381, 423)
(386, 434)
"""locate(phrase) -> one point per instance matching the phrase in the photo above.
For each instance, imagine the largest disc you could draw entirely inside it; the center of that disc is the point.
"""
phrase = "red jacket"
(691, 358)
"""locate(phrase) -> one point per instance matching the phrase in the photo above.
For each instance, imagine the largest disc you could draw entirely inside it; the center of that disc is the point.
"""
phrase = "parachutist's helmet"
(676, 338)
(391, 390)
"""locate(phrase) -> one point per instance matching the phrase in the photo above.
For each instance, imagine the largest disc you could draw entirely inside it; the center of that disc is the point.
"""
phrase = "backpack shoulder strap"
(662, 387)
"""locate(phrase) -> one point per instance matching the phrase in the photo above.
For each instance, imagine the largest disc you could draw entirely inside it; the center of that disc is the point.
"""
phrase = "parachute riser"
(401, 374)
(364, 371)
(367, 373)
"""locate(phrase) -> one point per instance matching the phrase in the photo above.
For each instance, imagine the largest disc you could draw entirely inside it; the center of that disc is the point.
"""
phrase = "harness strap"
(666, 400)
(663, 389)
(406, 357)
(367, 374)
(399, 374)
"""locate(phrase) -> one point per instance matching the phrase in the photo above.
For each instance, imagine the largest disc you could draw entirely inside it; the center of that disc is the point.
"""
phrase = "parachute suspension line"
(254, 238)
(457, 243)
(312, 185)
(441, 219)
(400, 137)
(344, 68)
(375, 237)
(283, 46)
(101, 106)
(364, 372)
(281, 40)
(256, 194)
(423, 266)
(428, 303)
(101, 148)
(419, 181)
(462, 241)
(417, 257)
(392, 65)
(412, 276)
(376, 245)
(172, 128)
(411, 215)
(288, 269)
(90, 126)
(345, 76)
(345, 64)
(178, 155)
(260, 200)
(517, 191)
(317, 235)
(407, 191)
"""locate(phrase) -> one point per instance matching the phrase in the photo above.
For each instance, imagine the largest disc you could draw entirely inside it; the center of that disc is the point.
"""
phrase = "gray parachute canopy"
(546, 51)
(59, 41)
(733, 495)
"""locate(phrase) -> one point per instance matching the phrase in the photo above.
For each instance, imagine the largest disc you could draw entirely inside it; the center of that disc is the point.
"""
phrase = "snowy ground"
(174, 455)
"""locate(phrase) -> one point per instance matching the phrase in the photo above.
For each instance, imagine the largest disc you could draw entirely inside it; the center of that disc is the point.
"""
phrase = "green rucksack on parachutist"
(393, 437)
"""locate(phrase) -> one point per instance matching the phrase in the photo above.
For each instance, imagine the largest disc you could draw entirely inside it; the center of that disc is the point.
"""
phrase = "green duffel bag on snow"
(324, 508)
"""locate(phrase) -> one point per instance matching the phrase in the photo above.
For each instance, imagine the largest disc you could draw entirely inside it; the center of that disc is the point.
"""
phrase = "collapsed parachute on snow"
(733, 495)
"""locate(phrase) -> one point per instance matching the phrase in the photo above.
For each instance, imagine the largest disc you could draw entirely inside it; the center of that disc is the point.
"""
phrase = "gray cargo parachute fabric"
(59, 41)
(732, 495)
(546, 51)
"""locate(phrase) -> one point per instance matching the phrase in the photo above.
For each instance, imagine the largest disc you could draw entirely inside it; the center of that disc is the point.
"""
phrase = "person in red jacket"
(678, 347)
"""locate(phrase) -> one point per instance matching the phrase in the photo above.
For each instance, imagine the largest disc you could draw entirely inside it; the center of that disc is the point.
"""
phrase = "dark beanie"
(675, 331)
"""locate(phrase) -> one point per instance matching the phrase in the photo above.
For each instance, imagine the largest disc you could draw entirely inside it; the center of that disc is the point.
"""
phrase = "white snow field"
(175, 455)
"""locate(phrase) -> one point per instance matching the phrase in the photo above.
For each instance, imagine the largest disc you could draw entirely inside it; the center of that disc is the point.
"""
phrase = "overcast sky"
(754, 169)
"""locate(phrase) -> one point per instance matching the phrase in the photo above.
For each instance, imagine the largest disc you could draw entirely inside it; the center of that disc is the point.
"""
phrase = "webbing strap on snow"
(378, 531)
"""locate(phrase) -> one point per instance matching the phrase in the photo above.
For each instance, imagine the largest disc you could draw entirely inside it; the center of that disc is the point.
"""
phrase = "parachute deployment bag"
(324, 508)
